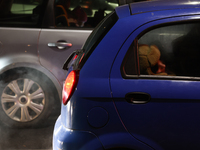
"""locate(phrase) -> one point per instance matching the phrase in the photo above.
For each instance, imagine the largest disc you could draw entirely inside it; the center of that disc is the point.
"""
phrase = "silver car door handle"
(60, 45)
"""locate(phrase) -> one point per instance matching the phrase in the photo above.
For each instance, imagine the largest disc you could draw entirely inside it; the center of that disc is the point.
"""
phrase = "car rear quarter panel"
(93, 91)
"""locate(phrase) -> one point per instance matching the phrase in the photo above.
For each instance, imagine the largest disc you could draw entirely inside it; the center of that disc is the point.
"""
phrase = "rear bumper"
(65, 139)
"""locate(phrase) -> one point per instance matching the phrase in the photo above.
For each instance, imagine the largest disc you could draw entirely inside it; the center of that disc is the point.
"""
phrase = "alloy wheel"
(23, 100)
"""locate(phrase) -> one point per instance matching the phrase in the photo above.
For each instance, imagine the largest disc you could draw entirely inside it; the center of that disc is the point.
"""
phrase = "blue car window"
(171, 50)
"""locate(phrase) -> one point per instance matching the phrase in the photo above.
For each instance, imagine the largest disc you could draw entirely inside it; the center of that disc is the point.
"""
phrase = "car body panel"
(22, 49)
(102, 141)
(162, 122)
(24, 45)
(123, 11)
(83, 121)
(154, 6)
(88, 140)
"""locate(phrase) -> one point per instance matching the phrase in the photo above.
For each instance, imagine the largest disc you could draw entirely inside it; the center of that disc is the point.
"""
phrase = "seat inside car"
(61, 16)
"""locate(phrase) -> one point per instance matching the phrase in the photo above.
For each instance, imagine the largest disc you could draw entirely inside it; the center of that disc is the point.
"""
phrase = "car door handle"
(137, 97)
(60, 45)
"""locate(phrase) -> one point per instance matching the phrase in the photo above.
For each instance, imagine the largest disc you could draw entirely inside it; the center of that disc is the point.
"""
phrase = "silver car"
(36, 38)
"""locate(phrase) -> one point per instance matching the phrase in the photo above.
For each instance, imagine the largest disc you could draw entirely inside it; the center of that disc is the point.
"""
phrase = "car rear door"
(161, 110)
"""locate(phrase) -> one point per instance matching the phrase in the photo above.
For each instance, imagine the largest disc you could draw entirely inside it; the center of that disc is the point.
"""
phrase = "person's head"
(80, 16)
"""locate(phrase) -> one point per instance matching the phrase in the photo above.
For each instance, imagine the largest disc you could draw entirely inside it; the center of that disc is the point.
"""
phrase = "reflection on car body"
(111, 98)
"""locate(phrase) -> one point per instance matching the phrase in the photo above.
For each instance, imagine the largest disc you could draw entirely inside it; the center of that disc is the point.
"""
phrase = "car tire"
(27, 98)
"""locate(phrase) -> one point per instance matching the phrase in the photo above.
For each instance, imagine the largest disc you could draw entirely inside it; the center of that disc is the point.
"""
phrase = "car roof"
(152, 6)
(160, 5)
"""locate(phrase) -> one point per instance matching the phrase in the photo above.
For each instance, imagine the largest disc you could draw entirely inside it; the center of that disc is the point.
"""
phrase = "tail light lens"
(70, 85)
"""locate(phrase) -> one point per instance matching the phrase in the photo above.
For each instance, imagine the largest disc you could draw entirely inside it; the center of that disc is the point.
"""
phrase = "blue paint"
(98, 115)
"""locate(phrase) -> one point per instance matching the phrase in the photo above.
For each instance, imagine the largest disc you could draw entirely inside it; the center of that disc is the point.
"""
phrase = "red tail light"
(75, 57)
(69, 86)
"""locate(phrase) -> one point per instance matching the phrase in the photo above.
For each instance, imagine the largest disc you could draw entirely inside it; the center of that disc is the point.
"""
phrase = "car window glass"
(171, 50)
(20, 13)
(85, 13)
(129, 65)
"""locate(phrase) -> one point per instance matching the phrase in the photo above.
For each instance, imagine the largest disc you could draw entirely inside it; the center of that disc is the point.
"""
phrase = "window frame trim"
(135, 46)
(136, 60)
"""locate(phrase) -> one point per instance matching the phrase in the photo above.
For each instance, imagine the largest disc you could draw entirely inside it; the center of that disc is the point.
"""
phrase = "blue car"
(135, 84)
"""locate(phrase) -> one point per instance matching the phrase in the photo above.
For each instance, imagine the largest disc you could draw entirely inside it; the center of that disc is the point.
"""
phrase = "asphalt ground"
(27, 138)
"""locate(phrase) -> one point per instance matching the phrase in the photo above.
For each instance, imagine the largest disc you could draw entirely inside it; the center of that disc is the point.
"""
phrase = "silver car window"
(82, 13)
(20, 13)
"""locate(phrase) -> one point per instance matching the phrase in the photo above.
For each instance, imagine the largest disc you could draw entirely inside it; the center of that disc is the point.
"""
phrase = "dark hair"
(80, 14)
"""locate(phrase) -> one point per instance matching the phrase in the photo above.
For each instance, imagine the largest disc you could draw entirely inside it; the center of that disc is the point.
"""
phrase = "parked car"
(135, 83)
(34, 44)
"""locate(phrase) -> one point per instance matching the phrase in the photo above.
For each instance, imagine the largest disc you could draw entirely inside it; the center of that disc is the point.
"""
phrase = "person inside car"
(79, 16)
(64, 16)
